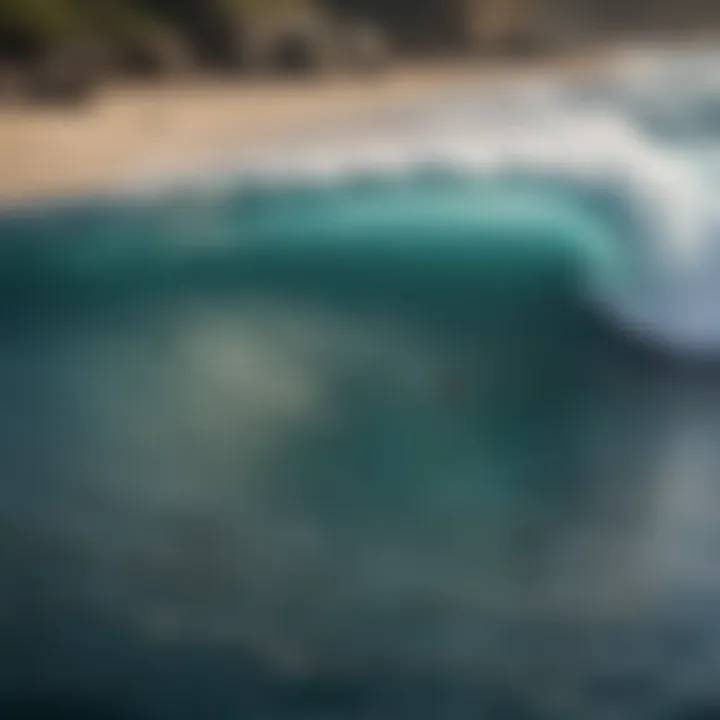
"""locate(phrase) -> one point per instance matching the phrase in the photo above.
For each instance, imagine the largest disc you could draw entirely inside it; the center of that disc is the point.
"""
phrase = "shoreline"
(129, 134)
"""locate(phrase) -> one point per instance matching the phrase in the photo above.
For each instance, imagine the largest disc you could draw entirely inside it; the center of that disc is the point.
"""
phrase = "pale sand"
(129, 131)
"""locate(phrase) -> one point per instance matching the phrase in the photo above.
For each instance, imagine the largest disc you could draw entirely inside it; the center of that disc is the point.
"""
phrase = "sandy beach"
(127, 132)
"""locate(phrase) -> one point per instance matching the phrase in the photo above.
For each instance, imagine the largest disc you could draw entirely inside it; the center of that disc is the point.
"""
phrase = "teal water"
(367, 451)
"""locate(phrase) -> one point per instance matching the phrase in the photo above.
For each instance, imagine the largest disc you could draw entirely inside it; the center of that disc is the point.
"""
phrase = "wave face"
(366, 431)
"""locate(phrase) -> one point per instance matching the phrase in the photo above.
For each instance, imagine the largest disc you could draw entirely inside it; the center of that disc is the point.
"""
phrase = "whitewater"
(642, 138)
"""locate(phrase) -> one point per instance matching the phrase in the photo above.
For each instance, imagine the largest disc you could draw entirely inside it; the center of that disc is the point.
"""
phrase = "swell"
(396, 388)
(397, 385)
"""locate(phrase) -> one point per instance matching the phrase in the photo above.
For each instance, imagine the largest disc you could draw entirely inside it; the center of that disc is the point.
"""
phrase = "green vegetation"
(31, 27)
(38, 24)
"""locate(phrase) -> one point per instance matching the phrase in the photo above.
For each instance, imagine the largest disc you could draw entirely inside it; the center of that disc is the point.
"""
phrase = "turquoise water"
(361, 451)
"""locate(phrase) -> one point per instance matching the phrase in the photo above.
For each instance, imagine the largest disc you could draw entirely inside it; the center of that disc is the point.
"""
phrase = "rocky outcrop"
(151, 38)
(521, 29)
(295, 38)
(12, 83)
(365, 47)
(160, 53)
(66, 75)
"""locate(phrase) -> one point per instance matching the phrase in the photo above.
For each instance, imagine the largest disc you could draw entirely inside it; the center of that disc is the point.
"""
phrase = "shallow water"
(370, 450)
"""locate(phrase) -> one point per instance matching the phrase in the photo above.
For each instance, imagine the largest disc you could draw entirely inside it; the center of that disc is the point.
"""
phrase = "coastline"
(131, 132)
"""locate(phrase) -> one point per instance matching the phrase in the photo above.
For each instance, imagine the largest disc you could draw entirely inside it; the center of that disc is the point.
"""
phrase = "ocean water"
(418, 421)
